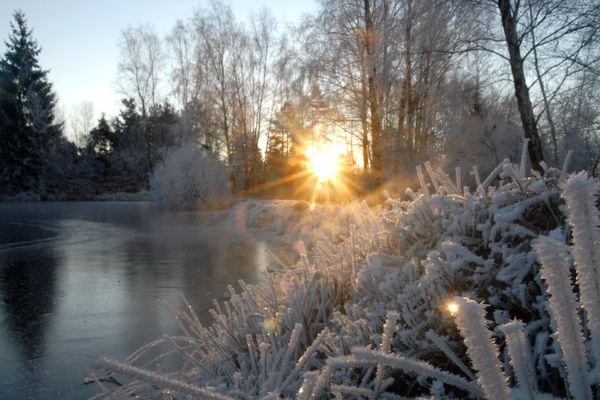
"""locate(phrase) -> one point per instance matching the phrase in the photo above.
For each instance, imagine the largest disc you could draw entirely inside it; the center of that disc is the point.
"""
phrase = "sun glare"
(452, 308)
(323, 162)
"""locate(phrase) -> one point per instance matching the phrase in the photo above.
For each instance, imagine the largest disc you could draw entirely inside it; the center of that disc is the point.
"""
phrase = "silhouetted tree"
(29, 134)
(102, 138)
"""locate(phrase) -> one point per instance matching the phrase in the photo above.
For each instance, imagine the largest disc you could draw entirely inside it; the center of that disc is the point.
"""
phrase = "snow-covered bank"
(449, 295)
(30, 197)
(283, 224)
(143, 195)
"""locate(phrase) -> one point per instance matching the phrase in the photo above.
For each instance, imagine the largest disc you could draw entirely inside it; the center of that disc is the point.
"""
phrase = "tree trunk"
(404, 126)
(547, 110)
(509, 24)
(365, 133)
(364, 106)
(376, 162)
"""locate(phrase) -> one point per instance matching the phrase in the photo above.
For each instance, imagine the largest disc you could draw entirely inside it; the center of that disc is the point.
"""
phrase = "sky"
(79, 38)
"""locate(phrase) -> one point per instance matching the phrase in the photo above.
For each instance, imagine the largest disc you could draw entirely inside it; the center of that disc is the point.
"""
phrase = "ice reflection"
(28, 286)
(97, 285)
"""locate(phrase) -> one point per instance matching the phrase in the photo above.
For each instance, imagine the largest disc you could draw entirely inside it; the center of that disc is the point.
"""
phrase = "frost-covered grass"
(365, 311)
(285, 223)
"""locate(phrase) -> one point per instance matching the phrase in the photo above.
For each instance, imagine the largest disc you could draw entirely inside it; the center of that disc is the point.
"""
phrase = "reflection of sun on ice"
(323, 161)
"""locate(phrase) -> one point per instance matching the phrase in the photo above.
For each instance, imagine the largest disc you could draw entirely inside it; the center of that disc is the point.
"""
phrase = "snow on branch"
(443, 346)
(520, 356)
(316, 330)
(554, 257)
(579, 193)
(524, 157)
(410, 365)
(159, 380)
(481, 348)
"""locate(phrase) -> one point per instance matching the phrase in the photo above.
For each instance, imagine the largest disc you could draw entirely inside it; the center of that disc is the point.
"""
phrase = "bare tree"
(235, 76)
(183, 69)
(353, 62)
(509, 17)
(81, 122)
(385, 61)
(217, 31)
(255, 81)
(543, 41)
(140, 66)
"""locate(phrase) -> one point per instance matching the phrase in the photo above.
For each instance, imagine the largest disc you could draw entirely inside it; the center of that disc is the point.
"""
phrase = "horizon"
(78, 40)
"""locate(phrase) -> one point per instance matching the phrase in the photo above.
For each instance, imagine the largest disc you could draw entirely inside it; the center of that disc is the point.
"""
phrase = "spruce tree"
(29, 134)
(102, 138)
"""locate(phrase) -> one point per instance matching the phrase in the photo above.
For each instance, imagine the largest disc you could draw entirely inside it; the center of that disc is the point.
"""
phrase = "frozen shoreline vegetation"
(189, 177)
(451, 294)
(287, 224)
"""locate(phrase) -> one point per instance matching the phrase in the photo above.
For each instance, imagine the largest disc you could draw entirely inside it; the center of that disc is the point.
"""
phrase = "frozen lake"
(82, 279)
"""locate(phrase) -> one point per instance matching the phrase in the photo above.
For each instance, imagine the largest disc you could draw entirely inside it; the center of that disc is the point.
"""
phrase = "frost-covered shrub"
(262, 342)
(368, 316)
(190, 177)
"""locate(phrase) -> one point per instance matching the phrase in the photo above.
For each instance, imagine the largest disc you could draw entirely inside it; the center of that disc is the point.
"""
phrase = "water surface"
(82, 279)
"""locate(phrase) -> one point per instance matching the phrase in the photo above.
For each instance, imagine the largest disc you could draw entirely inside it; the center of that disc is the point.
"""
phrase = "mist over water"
(82, 279)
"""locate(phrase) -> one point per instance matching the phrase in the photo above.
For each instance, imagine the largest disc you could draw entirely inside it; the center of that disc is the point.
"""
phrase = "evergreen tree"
(131, 154)
(128, 116)
(102, 138)
(29, 134)
(162, 128)
(128, 135)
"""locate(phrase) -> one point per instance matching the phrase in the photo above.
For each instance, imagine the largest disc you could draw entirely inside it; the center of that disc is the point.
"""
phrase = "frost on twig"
(579, 193)
(483, 351)
(412, 366)
(350, 318)
(443, 346)
(565, 167)
(162, 381)
(564, 307)
(520, 357)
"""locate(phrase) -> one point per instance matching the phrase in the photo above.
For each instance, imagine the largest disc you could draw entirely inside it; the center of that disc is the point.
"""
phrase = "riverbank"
(30, 197)
(284, 224)
(412, 299)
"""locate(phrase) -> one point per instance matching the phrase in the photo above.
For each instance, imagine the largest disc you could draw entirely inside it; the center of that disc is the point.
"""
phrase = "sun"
(323, 162)
(452, 308)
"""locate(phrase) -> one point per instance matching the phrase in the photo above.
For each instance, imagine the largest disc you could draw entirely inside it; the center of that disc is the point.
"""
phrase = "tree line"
(36, 157)
(392, 82)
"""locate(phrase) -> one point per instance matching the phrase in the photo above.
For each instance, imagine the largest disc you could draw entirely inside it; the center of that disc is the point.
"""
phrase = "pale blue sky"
(79, 37)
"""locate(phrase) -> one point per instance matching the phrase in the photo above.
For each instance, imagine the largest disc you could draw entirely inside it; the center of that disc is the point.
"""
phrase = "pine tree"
(102, 138)
(131, 152)
(29, 134)
(127, 127)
